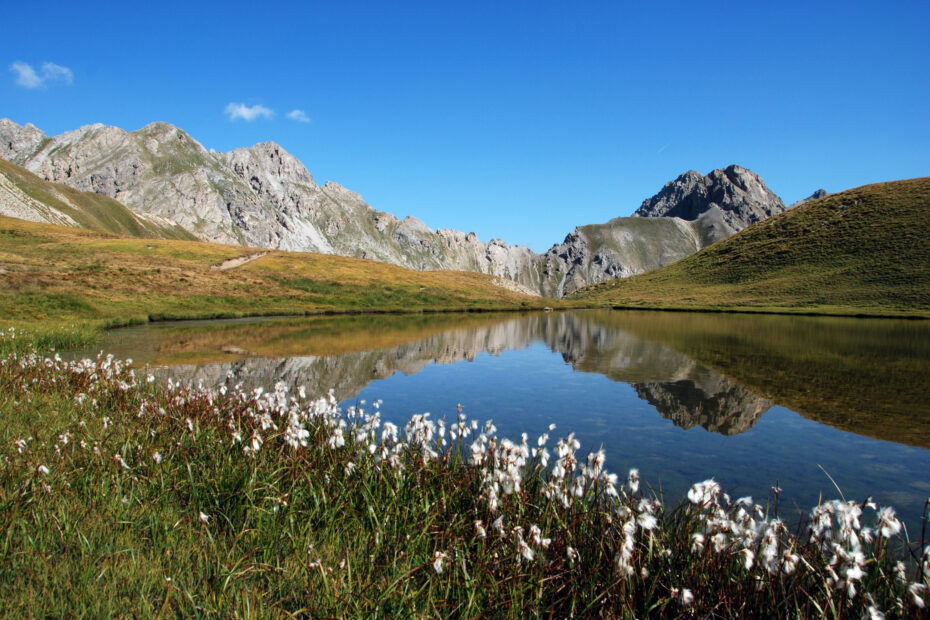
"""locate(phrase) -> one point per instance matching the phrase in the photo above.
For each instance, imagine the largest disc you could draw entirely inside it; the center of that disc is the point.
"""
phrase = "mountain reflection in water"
(752, 401)
(715, 371)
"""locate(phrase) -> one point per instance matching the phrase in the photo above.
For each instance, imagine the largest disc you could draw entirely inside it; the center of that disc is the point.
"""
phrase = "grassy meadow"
(124, 497)
(54, 277)
(862, 251)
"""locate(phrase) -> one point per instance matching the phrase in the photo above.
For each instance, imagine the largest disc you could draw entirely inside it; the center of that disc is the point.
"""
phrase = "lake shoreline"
(916, 315)
(181, 317)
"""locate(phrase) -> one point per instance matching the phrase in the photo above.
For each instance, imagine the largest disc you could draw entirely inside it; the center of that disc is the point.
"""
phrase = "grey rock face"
(16, 141)
(739, 195)
(688, 214)
(620, 248)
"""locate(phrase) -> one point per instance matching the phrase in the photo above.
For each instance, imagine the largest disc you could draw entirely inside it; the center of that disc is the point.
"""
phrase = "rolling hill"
(864, 250)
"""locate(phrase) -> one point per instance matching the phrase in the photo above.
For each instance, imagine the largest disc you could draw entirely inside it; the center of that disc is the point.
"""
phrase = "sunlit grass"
(121, 496)
(861, 251)
(54, 276)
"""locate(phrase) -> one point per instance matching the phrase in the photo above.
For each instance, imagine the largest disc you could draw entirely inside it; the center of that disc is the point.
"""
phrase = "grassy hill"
(863, 251)
(57, 203)
(57, 275)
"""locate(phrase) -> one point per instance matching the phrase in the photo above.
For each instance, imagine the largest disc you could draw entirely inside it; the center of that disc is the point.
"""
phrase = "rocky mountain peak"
(739, 195)
(165, 133)
(272, 161)
(18, 142)
(156, 128)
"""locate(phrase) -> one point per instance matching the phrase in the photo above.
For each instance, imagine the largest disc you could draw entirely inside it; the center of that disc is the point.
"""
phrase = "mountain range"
(261, 196)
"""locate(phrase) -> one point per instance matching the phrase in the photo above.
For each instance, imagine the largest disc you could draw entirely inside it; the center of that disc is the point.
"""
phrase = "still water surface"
(748, 400)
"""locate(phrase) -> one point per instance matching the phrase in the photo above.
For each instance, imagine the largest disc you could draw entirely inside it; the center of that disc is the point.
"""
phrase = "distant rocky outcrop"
(688, 214)
(262, 196)
(820, 193)
(736, 196)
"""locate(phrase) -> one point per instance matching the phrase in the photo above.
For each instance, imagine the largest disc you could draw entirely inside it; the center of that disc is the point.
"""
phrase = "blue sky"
(518, 120)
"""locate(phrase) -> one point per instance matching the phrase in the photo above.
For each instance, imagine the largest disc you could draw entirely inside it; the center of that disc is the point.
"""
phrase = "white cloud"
(53, 72)
(247, 113)
(298, 115)
(27, 77)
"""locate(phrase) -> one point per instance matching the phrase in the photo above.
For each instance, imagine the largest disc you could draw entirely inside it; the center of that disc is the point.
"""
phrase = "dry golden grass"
(53, 274)
(862, 251)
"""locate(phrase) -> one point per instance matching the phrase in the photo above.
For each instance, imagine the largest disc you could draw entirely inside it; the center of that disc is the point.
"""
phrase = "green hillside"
(89, 210)
(54, 275)
(863, 251)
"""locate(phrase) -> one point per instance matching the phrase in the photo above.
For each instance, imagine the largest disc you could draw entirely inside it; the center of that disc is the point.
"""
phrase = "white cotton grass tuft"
(438, 562)
(684, 596)
(918, 592)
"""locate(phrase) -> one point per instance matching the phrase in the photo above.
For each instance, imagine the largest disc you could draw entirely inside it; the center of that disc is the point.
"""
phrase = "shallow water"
(752, 401)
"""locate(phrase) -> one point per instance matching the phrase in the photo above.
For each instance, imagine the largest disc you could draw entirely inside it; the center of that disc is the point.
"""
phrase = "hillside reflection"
(715, 371)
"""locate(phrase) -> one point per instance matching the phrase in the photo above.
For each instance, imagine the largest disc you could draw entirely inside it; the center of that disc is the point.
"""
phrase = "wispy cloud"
(299, 116)
(57, 73)
(247, 113)
(28, 77)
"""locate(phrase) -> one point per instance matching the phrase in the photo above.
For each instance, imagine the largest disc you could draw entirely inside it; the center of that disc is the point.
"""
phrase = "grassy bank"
(52, 277)
(862, 251)
(121, 497)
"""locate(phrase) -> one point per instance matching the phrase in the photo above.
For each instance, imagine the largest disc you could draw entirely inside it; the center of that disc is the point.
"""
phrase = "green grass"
(121, 498)
(863, 251)
(55, 276)
(55, 338)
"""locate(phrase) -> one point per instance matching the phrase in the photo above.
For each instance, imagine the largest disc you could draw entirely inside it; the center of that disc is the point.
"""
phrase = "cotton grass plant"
(124, 496)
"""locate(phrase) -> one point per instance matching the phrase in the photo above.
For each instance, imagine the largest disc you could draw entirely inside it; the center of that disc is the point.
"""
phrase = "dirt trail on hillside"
(230, 263)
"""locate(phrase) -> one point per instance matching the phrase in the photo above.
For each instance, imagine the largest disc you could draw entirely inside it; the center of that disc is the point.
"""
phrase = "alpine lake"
(817, 407)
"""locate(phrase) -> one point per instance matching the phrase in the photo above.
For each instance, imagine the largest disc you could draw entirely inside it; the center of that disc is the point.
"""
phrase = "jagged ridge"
(264, 197)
